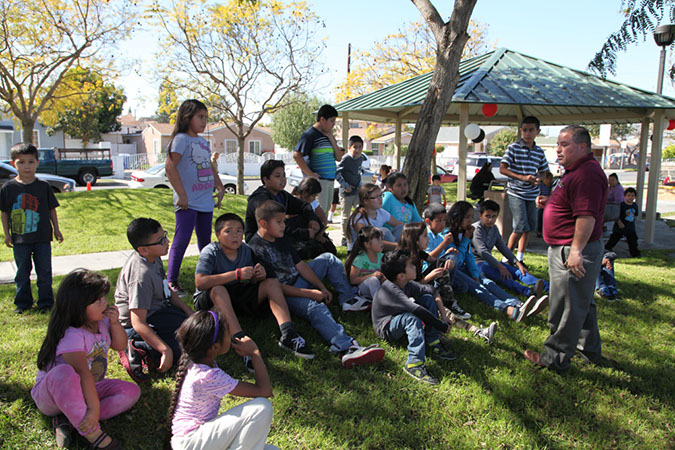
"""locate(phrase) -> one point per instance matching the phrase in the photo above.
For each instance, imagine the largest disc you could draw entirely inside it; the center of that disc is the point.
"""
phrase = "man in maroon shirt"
(572, 229)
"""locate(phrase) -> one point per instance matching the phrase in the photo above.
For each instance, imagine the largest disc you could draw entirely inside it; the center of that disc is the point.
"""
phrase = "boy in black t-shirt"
(306, 295)
(230, 277)
(625, 226)
(28, 214)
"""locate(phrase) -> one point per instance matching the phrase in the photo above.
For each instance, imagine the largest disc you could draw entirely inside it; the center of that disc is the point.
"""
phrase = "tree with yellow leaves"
(407, 53)
(41, 40)
(242, 58)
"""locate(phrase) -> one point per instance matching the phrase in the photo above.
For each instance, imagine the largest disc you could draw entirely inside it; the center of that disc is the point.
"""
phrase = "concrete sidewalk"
(61, 265)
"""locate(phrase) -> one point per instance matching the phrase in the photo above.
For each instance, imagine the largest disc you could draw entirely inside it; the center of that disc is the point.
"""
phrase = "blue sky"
(564, 32)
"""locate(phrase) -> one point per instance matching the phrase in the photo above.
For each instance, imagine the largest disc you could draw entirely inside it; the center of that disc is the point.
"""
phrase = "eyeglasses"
(376, 196)
(162, 241)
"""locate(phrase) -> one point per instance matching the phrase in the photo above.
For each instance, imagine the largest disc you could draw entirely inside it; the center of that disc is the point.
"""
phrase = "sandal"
(63, 430)
(115, 444)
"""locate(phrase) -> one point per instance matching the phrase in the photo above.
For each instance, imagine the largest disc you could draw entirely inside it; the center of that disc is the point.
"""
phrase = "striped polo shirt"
(524, 161)
(318, 153)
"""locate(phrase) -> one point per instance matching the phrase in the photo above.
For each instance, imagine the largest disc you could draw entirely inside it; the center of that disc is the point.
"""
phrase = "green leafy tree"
(640, 19)
(669, 152)
(42, 40)
(242, 58)
(498, 144)
(289, 122)
(167, 103)
(87, 107)
(620, 131)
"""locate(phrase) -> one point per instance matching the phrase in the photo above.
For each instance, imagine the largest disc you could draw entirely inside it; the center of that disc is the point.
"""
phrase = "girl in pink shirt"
(71, 384)
(200, 386)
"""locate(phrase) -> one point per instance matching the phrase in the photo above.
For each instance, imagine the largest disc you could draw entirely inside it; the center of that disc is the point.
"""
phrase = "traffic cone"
(89, 185)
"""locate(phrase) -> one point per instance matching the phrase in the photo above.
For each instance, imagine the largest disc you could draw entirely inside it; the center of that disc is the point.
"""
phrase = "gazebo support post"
(463, 122)
(345, 130)
(642, 163)
(397, 143)
(654, 172)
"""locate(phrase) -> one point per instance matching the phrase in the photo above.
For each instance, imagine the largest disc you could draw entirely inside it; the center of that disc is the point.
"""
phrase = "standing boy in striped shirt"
(524, 163)
(317, 151)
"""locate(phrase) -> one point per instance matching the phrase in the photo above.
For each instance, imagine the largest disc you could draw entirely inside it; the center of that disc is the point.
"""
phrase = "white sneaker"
(359, 356)
(526, 308)
(357, 304)
(539, 306)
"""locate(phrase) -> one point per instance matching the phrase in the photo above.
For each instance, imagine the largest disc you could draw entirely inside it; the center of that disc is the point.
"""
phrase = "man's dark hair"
(268, 167)
(23, 148)
(267, 209)
(580, 135)
(614, 175)
(629, 189)
(433, 210)
(327, 112)
(355, 140)
(394, 263)
(531, 119)
(489, 205)
(227, 217)
(436, 177)
(140, 230)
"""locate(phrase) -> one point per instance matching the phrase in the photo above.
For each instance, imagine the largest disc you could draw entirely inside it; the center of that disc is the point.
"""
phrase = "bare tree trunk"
(451, 38)
(28, 125)
(240, 161)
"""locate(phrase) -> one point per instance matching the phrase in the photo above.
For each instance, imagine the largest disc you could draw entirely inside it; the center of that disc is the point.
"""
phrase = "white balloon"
(472, 131)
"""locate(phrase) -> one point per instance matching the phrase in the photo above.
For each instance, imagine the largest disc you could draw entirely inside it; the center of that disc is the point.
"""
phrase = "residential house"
(10, 135)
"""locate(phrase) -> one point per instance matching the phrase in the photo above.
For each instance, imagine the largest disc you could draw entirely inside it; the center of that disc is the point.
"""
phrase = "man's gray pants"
(572, 314)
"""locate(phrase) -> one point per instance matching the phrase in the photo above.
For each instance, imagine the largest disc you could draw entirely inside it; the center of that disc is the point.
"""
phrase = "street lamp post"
(664, 35)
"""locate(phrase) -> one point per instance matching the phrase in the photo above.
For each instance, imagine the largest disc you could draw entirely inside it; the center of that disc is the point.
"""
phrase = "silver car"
(58, 184)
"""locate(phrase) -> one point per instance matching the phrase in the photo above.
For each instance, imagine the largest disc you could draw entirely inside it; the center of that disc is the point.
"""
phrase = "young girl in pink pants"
(71, 385)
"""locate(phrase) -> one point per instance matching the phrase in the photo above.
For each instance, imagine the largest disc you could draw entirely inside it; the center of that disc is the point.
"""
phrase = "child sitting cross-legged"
(305, 293)
(230, 277)
(402, 307)
(201, 384)
(605, 285)
(370, 213)
(486, 236)
(364, 261)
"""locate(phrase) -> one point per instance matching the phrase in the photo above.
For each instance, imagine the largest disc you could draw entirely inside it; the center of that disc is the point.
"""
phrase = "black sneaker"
(45, 309)
(64, 431)
(20, 310)
(295, 344)
(440, 352)
(459, 312)
(177, 288)
(525, 308)
(357, 304)
(420, 373)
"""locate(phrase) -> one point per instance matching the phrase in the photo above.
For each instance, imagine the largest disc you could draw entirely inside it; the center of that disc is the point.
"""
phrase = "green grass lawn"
(96, 221)
(490, 397)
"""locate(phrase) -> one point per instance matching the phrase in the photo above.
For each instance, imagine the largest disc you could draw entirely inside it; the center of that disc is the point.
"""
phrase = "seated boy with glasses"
(149, 311)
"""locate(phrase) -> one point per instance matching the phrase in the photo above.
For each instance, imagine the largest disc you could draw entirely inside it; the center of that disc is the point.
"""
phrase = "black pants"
(631, 238)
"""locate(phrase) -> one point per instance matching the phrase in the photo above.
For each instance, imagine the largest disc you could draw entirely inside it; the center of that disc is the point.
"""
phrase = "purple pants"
(60, 392)
(188, 220)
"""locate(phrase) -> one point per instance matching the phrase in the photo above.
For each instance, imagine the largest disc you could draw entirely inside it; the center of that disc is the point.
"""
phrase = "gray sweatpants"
(572, 315)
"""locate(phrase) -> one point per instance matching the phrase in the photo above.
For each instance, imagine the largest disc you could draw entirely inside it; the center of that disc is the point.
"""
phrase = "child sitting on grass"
(306, 295)
(73, 361)
(396, 201)
(403, 307)
(605, 285)
(307, 248)
(364, 261)
(230, 277)
(200, 386)
(486, 236)
(467, 274)
(150, 312)
(370, 213)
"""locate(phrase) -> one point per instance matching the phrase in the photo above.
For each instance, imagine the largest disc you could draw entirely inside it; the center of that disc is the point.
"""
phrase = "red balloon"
(489, 109)
(671, 124)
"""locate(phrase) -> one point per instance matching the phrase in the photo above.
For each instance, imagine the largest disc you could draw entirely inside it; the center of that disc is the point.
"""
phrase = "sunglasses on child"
(162, 241)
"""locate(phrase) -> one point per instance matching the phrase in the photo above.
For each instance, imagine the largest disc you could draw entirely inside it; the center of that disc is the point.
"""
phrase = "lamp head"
(664, 35)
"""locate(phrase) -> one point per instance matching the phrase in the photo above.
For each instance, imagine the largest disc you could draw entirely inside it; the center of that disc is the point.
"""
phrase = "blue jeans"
(606, 283)
(418, 333)
(488, 292)
(490, 272)
(164, 323)
(318, 315)
(41, 254)
(524, 214)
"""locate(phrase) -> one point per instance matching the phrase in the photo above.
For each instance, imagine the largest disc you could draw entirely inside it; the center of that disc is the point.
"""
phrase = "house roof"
(520, 85)
(129, 120)
(165, 129)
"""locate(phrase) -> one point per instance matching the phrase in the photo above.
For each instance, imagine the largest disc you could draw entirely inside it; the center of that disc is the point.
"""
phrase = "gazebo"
(521, 86)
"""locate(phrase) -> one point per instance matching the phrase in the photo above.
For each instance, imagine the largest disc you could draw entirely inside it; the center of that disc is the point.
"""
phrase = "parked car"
(555, 168)
(155, 177)
(58, 184)
(446, 177)
(83, 171)
(294, 175)
(474, 162)
(450, 164)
